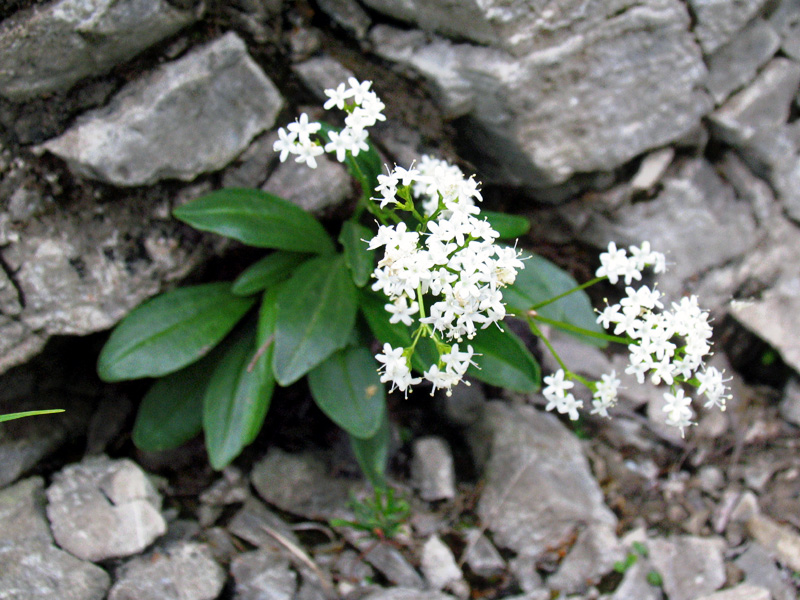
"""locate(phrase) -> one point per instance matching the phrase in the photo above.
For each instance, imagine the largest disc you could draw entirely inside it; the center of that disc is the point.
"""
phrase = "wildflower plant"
(412, 291)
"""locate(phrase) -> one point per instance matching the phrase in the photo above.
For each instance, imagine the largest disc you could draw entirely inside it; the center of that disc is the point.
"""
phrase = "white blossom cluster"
(363, 108)
(455, 260)
(668, 345)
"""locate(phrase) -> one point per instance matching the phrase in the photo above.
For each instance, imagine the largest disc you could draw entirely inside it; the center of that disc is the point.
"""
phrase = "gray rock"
(787, 184)
(251, 522)
(392, 564)
(321, 73)
(719, 20)
(634, 584)
(481, 556)
(747, 186)
(786, 19)
(199, 112)
(263, 575)
(652, 169)
(743, 591)
(313, 190)
(231, 488)
(101, 509)
(438, 564)
(588, 94)
(780, 540)
(34, 570)
(592, 556)
(183, 570)
(432, 469)
(53, 46)
(538, 486)
(525, 571)
(22, 514)
(760, 569)
(251, 168)
(401, 593)
(349, 15)
(689, 566)
(589, 361)
(790, 404)
(735, 64)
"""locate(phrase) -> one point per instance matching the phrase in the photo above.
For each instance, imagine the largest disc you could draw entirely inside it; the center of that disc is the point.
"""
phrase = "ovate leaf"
(170, 331)
(316, 311)
(359, 260)
(256, 218)
(504, 361)
(348, 389)
(268, 271)
(508, 226)
(541, 280)
(372, 453)
(236, 400)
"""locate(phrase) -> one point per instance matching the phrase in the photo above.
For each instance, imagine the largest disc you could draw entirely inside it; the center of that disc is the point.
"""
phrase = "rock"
(34, 570)
(299, 484)
(400, 593)
(438, 564)
(525, 571)
(251, 168)
(465, 405)
(392, 564)
(101, 509)
(778, 539)
(760, 569)
(538, 485)
(735, 64)
(263, 575)
(719, 21)
(689, 566)
(481, 556)
(634, 584)
(321, 73)
(790, 405)
(653, 167)
(744, 591)
(592, 556)
(22, 515)
(251, 521)
(773, 317)
(231, 488)
(786, 20)
(200, 112)
(747, 186)
(432, 469)
(586, 360)
(586, 94)
(313, 190)
(183, 570)
(52, 47)
(349, 15)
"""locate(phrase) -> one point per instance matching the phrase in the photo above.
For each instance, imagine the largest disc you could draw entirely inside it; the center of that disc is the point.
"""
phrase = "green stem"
(581, 330)
(538, 333)
(583, 286)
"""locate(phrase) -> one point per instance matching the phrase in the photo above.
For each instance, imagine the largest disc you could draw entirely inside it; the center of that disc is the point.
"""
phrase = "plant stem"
(581, 330)
(582, 286)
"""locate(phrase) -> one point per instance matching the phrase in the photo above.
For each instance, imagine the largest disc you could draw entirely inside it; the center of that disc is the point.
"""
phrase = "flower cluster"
(454, 259)
(668, 345)
(363, 108)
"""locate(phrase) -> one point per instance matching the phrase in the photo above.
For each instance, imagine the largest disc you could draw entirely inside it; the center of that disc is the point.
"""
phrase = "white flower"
(285, 144)
(615, 263)
(307, 153)
(556, 385)
(395, 368)
(678, 409)
(303, 128)
(358, 89)
(337, 97)
(401, 312)
(713, 386)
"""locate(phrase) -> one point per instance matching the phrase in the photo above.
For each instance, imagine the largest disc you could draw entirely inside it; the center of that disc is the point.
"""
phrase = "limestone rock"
(401, 593)
(593, 555)
(744, 591)
(311, 189)
(719, 20)
(438, 564)
(779, 539)
(689, 566)
(790, 404)
(263, 575)
(432, 469)
(188, 117)
(786, 20)
(760, 569)
(51, 47)
(22, 514)
(101, 509)
(481, 556)
(537, 481)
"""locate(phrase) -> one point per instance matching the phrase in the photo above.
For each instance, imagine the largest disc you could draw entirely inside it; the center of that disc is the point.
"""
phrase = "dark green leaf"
(29, 413)
(365, 167)
(372, 454)
(256, 218)
(504, 361)
(236, 400)
(171, 413)
(359, 260)
(348, 389)
(170, 331)
(316, 313)
(395, 334)
(508, 226)
(268, 271)
(541, 280)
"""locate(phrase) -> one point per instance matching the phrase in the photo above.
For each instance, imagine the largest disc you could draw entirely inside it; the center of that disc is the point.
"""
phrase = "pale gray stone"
(780, 540)
(313, 190)
(51, 47)
(735, 64)
(634, 584)
(790, 404)
(263, 575)
(538, 485)
(183, 570)
(349, 15)
(402, 593)
(718, 21)
(251, 522)
(432, 469)
(652, 169)
(321, 73)
(188, 117)
(438, 564)
(481, 556)
(101, 509)
(760, 569)
(392, 564)
(35, 570)
(689, 566)
(786, 19)
(590, 558)
(748, 186)
(22, 514)
(251, 168)
(743, 591)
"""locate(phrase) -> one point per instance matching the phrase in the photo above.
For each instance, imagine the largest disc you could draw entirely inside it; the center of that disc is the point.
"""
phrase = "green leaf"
(359, 260)
(372, 454)
(171, 413)
(170, 331)
(508, 226)
(396, 335)
(316, 313)
(29, 413)
(256, 218)
(268, 271)
(236, 400)
(504, 361)
(541, 280)
(365, 167)
(348, 389)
